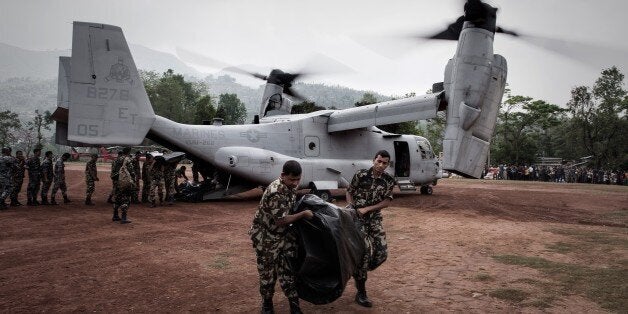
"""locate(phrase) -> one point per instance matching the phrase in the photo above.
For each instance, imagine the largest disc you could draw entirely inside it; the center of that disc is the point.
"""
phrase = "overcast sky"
(285, 34)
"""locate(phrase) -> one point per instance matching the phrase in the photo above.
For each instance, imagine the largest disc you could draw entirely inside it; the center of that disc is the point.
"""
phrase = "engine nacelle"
(474, 85)
(273, 101)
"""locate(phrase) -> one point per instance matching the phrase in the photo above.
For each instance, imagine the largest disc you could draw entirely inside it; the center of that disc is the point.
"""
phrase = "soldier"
(146, 177)
(169, 181)
(18, 177)
(136, 167)
(91, 176)
(123, 173)
(7, 163)
(59, 181)
(369, 192)
(157, 183)
(114, 182)
(34, 177)
(180, 173)
(47, 177)
(272, 240)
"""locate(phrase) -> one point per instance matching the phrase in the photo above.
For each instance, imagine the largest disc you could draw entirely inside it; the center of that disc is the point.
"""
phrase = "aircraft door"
(402, 159)
(312, 146)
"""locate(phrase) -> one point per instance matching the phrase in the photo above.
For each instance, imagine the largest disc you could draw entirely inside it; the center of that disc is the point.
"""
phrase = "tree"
(205, 110)
(522, 129)
(367, 99)
(599, 119)
(231, 109)
(306, 107)
(9, 123)
(172, 96)
(39, 122)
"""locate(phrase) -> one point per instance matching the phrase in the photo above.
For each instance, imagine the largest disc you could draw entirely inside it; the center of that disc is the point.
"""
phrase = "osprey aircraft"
(102, 101)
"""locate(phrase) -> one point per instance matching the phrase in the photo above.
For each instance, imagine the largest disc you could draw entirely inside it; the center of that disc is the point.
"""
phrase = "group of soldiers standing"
(159, 181)
(41, 175)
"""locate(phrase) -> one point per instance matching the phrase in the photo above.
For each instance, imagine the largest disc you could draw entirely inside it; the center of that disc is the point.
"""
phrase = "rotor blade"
(595, 55)
(451, 33)
(290, 92)
(501, 30)
(202, 60)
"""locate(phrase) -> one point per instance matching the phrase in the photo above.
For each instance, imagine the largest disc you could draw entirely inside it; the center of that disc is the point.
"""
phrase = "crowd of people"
(556, 173)
(41, 176)
(158, 179)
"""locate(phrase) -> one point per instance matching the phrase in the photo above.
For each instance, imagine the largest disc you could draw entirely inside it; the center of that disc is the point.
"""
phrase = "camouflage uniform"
(47, 178)
(122, 197)
(136, 167)
(114, 179)
(146, 180)
(59, 181)
(272, 243)
(7, 164)
(91, 175)
(18, 178)
(169, 180)
(366, 191)
(157, 184)
(34, 179)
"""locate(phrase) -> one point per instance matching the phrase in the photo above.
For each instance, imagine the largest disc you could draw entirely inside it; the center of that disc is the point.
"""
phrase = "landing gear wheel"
(325, 195)
(426, 189)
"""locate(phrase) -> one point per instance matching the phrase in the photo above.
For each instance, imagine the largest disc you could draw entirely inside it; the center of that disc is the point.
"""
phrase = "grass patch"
(221, 262)
(601, 238)
(606, 286)
(483, 277)
(561, 247)
(512, 295)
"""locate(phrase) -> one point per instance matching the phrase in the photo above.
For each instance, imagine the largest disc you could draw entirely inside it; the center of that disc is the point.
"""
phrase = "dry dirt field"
(472, 246)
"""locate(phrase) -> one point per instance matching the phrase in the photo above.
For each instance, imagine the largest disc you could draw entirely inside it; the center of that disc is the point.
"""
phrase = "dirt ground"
(197, 257)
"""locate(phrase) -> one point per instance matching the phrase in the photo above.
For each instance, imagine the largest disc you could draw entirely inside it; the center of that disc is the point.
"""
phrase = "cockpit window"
(425, 149)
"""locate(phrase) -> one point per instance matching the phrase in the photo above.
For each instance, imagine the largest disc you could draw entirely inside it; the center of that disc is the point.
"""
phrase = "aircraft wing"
(394, 111)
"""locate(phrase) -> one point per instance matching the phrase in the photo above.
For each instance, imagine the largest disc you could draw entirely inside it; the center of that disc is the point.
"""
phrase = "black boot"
(294, 306)
(52, 201)
(124, 220)
(115, 215)
(152, 204)
(88, 201)
(35, 202)
(361, 297)
(3, 205)
(44, 200)
(14, 202)
(66, 199)
(267, 306)
(110, 199)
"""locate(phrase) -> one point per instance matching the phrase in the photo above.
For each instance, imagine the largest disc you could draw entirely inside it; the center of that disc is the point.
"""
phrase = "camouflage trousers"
(170, 189)
(375, 243)
(135, 194)
(59, 185)
(32, 188)
(91, 187)
(156, 188)
(45, 187)
(272, 262)
(122, 200)
(145, 190)
(17, 187)
(6, 189)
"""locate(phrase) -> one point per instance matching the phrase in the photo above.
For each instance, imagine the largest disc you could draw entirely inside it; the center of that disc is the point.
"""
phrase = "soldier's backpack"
(125, 180)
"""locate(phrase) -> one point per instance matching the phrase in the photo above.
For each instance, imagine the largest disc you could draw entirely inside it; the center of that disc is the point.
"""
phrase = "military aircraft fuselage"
(329, 160)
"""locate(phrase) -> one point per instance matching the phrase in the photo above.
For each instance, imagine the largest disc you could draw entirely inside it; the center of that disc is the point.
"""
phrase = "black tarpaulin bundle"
(330, 249)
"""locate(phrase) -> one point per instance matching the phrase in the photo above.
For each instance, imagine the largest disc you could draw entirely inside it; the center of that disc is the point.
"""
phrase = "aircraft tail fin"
(107, 102)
